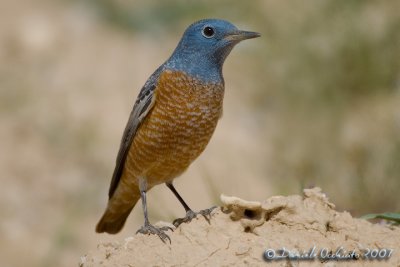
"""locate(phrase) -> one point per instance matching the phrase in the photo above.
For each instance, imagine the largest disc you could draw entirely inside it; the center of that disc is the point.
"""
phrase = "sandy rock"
(240, 232)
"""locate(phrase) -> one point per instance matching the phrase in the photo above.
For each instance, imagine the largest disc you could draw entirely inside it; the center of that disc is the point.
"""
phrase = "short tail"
(112, 224)
(118, 209)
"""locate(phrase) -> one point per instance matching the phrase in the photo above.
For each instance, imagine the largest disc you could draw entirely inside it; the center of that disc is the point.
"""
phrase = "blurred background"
(314, 102)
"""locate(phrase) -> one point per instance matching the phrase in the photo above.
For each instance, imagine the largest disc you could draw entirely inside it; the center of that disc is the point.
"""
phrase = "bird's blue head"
(204, 47)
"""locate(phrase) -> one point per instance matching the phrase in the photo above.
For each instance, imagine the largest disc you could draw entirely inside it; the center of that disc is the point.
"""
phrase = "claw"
(151, 229)
(207, 213)
(190, 215)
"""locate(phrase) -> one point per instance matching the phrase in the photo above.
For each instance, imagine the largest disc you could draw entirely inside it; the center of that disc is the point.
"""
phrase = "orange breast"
(176, 130)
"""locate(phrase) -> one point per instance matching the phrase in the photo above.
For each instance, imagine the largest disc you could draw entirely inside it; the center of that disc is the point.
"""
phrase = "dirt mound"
(303, 230)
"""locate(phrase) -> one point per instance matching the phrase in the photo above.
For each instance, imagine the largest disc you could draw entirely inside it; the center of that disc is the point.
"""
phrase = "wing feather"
(143, 105)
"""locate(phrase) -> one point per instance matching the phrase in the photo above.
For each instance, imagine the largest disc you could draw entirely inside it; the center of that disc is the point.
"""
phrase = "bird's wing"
(143, 105)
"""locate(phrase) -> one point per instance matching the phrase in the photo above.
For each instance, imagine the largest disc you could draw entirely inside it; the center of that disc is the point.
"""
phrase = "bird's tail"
(118, 209)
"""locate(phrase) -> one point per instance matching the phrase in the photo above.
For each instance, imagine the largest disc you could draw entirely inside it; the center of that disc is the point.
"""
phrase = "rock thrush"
(171, 122)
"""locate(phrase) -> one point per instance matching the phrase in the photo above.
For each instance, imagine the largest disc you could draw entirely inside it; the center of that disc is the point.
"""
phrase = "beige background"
(315, 101)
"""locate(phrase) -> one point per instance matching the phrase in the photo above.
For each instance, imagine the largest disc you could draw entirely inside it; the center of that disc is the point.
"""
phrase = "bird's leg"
(148, 228)
(190, 214)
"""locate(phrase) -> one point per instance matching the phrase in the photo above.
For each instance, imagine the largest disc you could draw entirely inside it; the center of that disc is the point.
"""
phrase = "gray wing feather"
(142, 106)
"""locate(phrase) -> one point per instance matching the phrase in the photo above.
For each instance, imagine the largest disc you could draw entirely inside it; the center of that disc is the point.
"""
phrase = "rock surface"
(241, 231)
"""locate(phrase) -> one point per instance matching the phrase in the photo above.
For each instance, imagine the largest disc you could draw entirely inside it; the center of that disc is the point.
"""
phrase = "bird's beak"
(241, 35)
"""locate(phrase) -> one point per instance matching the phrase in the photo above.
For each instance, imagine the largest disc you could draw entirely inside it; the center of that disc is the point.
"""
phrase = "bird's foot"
(149, 229)
(190, 215)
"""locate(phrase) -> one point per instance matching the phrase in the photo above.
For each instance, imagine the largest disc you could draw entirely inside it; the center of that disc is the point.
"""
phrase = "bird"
(171, 123)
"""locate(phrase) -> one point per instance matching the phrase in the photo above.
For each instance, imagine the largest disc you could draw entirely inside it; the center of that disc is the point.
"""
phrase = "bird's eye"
(208, 32)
